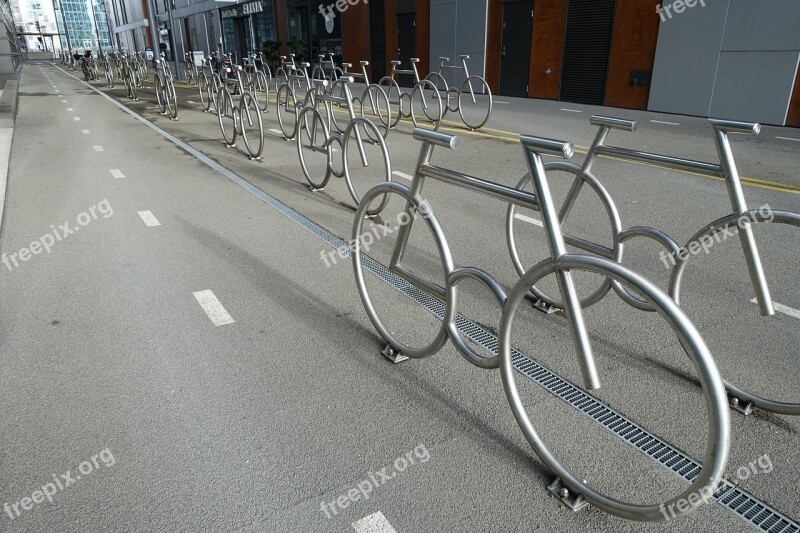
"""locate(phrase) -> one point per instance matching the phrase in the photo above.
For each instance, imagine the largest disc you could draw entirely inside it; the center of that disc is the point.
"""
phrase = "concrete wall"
(458, 27)
(733, 59)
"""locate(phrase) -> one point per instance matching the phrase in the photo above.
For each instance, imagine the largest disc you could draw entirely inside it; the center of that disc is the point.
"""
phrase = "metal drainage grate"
(736, 500)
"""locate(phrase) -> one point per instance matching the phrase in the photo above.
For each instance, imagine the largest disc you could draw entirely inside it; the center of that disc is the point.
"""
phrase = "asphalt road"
(186, 351)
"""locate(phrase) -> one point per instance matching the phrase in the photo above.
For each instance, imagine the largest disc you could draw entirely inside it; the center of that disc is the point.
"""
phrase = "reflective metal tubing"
(676, 163)
(438, 138)
(615, 123)
(490, 188)
(547, 146)
(552, 228)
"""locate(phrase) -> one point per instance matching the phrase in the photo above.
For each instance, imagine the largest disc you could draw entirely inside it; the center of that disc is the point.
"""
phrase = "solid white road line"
(402, 175)
(374, 523)
(148, 218)
(117, 173)
(499, 102)
(98, 148)
(529, 220)
(785, 309)
(788, 139)
(664, 122)
(273, 130)
(86, 132)
(190, 102)
(210, 304)
(571, 110)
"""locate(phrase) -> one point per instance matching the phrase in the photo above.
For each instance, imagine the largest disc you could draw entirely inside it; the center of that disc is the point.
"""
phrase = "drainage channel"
(736, 500)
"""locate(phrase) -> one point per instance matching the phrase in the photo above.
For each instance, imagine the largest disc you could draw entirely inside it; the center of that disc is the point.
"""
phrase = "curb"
(8, 115)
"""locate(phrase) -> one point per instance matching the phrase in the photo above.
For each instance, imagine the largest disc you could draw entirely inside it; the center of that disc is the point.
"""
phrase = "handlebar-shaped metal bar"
(541, 145)
(438, 138)
(732, 126)
(677, 163)
(615, 123)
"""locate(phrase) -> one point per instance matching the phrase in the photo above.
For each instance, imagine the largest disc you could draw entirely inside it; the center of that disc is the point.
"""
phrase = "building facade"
(734, 59)
(10, 53)
(36, 25)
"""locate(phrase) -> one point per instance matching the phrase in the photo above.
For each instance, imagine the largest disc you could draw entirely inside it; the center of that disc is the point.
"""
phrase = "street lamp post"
(152, 20)
(173, 41)
(97, 29)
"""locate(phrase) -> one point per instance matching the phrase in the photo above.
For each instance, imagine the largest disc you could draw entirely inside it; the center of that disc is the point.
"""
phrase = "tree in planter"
(298, 47)
(271, 51)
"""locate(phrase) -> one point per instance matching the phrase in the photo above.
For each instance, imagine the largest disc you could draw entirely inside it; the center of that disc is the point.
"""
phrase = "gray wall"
(458, 27)
(733, 59)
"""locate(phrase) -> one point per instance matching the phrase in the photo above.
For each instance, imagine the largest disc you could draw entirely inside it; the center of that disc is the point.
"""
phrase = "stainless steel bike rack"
(741, 400)
(315, 124)
(561, 264)
(390, 87)
(441, 84)
(248, 109)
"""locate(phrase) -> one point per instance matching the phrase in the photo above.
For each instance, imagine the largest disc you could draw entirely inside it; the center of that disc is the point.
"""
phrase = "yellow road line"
(509, 136)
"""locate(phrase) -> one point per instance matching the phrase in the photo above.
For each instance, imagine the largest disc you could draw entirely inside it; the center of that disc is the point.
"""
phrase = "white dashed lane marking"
(149, 219)
(402, 175)
(785, 309)
(529, 220)
(374, 523)
(213, 308)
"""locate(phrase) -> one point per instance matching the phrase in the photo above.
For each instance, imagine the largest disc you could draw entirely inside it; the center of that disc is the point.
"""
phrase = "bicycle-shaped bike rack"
(561, 264)
(289, 67)
(326, 69)
(190, 71)
(316, 142)
(474, 113)
(208, 88)
(379, 102)
(165, 89)
(396, 97)
(287, 103)
(109, 70)
(245, 119)
(130, 77)
(741, 217)
(258, 79)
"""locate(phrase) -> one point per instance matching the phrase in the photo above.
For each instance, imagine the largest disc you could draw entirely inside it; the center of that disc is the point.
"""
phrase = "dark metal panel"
(587, 44)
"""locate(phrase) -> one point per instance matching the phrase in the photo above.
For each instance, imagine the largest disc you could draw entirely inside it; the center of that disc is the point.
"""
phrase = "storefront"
(245, 28)
(319, 35)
